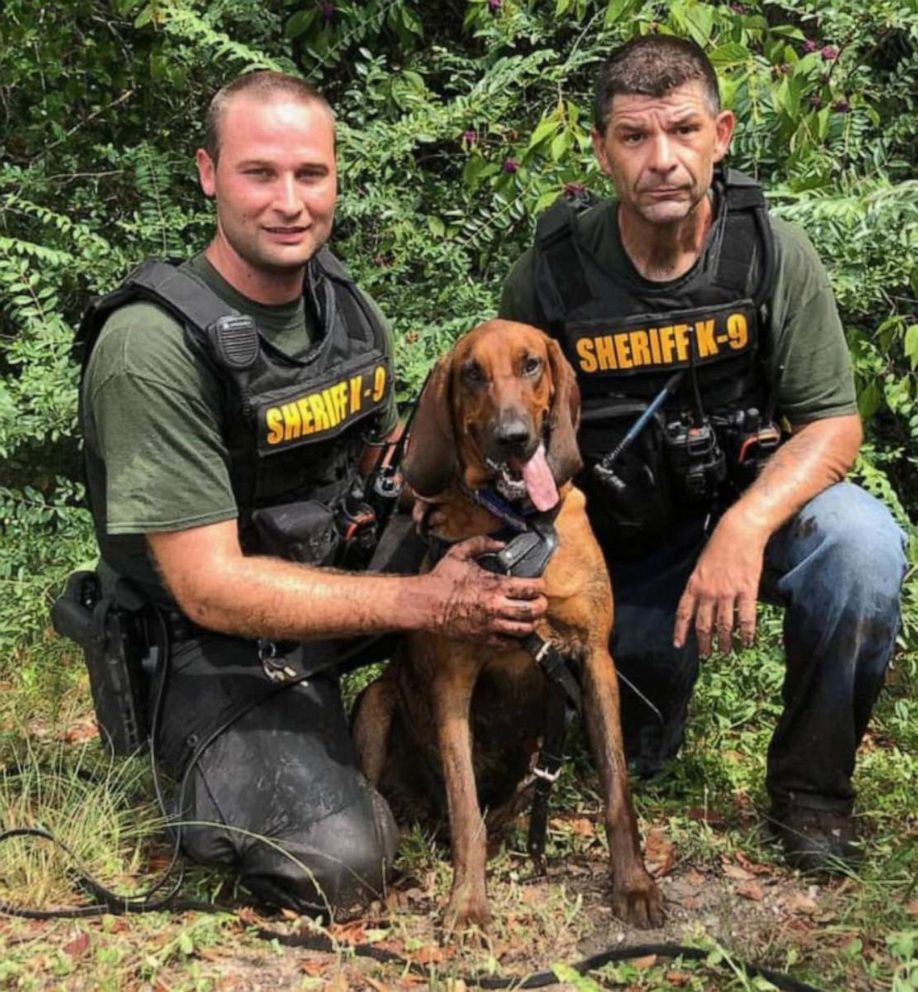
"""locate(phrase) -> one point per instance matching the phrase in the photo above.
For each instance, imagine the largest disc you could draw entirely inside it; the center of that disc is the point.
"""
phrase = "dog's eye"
(532, 365)
(474, 373)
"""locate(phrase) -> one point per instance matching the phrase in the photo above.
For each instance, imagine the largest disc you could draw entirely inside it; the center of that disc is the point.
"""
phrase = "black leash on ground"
(542, 979)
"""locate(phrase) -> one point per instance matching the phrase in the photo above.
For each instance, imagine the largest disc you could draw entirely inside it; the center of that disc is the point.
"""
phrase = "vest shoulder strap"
(332, 266)
(563, 285)
(747, 238)
(180, 293)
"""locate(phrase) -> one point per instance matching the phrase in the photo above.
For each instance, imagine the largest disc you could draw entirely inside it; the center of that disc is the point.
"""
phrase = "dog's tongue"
(540, 483)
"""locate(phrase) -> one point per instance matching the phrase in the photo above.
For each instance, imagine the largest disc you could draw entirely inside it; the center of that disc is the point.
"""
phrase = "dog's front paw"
(467, 907)
(638, 901)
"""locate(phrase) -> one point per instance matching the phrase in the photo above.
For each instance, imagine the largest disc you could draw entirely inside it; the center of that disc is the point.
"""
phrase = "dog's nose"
(512, 433)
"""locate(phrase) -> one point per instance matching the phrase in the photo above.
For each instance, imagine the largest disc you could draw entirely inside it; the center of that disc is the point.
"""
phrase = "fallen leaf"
(694, 878)
(315, 966)
(78, 946)
(801, 903)
(736, 873)
(430, 954)
(756, 869)
(912, 907)
(751, 890)
(374, 984)
(83, 730)
(642, 964)
(578, 825)
(659, 853)
(677, 978)
(289, 914)
(248, 916)
(348, 933)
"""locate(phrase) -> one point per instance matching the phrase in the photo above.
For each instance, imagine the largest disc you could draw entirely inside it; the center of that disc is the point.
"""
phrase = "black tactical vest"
(294, 428)
(626, 337)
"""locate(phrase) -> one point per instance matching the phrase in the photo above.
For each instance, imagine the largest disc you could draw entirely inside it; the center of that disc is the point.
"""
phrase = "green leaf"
(544, 128)
(437, 227)
(559, 146)
(729, 54)
(699, 21)
(869, 400)
(185, 943)
(300, 23)
(911, 345)
(615, 11)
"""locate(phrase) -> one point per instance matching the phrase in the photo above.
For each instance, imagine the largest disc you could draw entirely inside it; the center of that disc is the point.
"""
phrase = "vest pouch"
(304, 532)
(630, 505)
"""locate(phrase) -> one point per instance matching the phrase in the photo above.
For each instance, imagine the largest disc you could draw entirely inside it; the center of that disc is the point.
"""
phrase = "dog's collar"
(516, 519)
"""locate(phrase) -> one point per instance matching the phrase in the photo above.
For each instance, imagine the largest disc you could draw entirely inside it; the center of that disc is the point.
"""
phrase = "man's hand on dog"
(483, 606)
(722, 591)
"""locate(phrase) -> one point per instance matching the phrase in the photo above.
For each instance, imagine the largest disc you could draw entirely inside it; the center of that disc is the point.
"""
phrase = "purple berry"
(511, 165)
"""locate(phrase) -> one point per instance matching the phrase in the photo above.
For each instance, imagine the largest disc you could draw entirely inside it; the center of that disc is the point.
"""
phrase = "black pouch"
(630, 504)
(304, 532)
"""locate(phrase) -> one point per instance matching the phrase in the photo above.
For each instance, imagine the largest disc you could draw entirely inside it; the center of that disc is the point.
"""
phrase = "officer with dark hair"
(231, 408)
(688, 311)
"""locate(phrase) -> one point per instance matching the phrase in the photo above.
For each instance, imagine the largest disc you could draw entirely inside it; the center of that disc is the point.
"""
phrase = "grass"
(725, 886)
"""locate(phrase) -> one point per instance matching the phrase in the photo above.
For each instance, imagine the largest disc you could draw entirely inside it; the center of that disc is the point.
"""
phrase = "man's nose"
(662, 158)
(286, 198)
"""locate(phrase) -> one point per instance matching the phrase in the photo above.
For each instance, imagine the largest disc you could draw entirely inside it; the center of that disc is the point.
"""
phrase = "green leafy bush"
(458, 123)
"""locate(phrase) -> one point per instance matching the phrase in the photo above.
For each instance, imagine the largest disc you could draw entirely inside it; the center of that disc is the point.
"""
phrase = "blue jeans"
(836, 568)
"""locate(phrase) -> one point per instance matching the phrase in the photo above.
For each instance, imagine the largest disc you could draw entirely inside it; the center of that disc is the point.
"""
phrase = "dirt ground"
(750, 911)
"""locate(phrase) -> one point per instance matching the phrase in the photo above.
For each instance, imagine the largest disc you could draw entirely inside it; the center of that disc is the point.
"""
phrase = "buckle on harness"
(274, 666)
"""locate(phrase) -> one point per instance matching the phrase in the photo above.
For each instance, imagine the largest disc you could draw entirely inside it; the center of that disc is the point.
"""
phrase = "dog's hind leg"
(373, 714)
(635, 896)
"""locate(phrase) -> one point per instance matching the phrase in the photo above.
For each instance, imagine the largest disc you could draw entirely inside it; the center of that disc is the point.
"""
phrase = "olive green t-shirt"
(809, 365)
(154, 411)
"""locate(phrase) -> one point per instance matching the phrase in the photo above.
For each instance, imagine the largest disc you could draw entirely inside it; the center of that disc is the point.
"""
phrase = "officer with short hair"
(686, 309)
(230, 406)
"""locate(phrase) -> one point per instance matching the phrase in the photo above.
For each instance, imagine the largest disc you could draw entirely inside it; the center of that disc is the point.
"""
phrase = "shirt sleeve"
(156, 422)
(810, 365)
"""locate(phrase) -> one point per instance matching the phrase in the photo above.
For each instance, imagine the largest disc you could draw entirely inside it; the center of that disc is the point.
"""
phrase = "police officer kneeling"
(683, 299)
(230, 407)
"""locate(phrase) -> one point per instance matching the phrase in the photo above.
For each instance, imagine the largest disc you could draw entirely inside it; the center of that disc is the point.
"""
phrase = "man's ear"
(206, 172)
(724, 126)
(599, 149)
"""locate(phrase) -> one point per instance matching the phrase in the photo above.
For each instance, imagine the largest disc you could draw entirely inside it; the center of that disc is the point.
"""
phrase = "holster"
(109, 625)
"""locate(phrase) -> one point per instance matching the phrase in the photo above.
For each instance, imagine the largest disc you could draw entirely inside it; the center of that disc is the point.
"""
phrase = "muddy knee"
(338, 862)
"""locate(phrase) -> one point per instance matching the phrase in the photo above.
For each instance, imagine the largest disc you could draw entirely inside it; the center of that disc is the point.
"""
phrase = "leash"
(540, 979)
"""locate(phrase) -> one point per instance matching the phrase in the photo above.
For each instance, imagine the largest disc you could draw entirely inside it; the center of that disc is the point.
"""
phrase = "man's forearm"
(261, 596)
(818, 455)
(223, 590)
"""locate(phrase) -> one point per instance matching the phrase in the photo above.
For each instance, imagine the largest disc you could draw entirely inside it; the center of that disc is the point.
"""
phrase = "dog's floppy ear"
(563, 418)
(430, 461)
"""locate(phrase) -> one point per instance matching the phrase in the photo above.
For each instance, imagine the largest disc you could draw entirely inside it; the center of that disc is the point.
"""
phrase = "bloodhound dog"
(456, 721)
